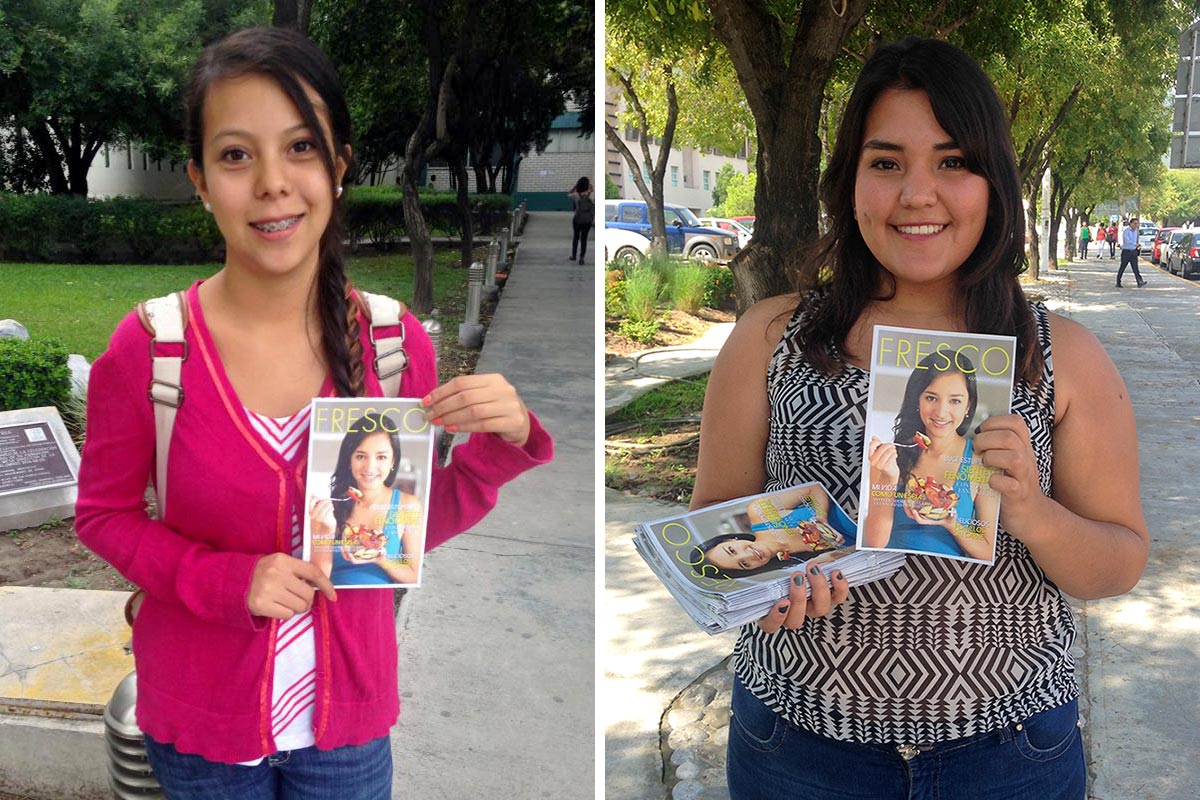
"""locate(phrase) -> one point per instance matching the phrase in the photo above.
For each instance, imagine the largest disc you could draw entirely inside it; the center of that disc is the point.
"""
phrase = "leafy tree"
(739, 197)
(294, 14)
(458, 81)
(81, 74)
(679, 88)
(725, 174)
(611, 190)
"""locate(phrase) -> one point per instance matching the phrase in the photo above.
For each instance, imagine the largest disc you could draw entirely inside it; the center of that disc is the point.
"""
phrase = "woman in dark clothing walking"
(581, 222)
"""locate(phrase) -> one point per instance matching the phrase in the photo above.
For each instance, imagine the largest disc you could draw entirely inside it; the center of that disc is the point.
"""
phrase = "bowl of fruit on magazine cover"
(929, 499)
(362, 543)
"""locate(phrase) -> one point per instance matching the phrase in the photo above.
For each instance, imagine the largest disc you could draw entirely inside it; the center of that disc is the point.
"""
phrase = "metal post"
(470, 333)
(515, 225)
(490, 289)
(504, 242)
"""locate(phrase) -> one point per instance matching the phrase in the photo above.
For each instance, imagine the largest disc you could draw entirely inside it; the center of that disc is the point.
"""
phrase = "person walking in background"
(1110, 236)
(1129, 253)
(1101, 234)
(584, 216)
(1085, 236)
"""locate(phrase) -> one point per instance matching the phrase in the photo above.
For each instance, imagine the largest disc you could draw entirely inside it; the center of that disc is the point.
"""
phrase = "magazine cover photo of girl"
(927, 491)
(370, 529)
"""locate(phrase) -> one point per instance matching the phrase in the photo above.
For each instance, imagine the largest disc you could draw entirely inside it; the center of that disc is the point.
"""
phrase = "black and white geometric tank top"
(942, 649)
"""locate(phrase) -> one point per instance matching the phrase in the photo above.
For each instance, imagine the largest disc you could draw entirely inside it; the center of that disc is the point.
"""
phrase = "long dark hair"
(966, 105)
(295, 63)
(342, 478)
(582, 185)
(908, 420)
(700, 553)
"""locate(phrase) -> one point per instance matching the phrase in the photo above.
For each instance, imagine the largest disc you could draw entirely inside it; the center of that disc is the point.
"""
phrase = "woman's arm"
(884, 475)
(733, 442)
(1090, 537)
(409, 524)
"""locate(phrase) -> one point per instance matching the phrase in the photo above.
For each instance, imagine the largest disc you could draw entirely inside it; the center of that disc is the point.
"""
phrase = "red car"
(1163, 235)
(747, 221)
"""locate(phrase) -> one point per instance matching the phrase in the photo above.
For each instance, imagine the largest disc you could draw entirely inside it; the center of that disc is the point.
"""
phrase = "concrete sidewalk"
(1138, 651)
(497, 649)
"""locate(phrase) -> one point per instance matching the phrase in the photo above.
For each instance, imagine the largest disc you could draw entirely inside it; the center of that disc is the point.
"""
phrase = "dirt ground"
(677, 328)
(51, 556)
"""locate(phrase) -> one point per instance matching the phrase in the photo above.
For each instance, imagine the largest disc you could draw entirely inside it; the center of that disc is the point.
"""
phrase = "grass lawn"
(80, 304)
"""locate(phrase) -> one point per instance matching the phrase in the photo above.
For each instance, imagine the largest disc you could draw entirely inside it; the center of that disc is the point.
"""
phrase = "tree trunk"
(419, 240)
(1031, 217)
(40, 134)
(459, 168)
(784, 94)
(294, 14)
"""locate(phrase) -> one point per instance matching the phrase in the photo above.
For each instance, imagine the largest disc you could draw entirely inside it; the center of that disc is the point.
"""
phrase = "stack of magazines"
(728, 564)
(923, 490)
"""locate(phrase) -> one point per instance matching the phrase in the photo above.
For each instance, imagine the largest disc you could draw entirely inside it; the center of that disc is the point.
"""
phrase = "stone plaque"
(38, 468)
(30, 458)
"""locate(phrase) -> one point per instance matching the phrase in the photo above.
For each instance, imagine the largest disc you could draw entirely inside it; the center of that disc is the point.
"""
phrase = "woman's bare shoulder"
(765, 321)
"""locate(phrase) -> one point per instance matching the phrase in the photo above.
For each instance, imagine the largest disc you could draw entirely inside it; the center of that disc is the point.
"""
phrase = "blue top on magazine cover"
(910, 535)
(347, 573)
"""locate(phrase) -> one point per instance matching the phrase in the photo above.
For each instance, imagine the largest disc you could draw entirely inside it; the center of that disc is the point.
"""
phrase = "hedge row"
(33, 373)
(42, 227)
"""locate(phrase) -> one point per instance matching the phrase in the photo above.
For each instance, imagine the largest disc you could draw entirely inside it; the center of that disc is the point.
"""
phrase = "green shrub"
(639, 330)
(614, 299)
(689, 284)
(641, 293)
(720, 290)
(33, 373)
(43, 227)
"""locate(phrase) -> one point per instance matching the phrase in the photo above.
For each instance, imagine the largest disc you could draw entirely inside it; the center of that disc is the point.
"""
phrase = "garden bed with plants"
(651, 444)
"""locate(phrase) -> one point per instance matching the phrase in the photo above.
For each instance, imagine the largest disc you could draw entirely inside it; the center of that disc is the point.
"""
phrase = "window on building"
(674, 176)
(631, 133)
(706, 173)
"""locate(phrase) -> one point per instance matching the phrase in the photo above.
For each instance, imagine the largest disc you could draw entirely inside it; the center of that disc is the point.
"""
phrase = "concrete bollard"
(515, 225)
(470, 333)
(505, 235)
(490, 288)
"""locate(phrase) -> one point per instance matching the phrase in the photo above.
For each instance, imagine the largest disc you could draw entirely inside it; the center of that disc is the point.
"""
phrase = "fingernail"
(426, 400)
(799, 579)
(838, 575)
(783, 608)
(436, 420)
(977, 427)
(813, 570)
(451, 428)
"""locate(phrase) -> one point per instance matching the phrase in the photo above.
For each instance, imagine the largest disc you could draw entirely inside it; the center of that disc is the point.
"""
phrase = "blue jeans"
(1040, 758)
(361, 772)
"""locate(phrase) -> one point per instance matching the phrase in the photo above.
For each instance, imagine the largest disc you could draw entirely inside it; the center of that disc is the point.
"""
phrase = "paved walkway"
(1138, 652)
(497, 650)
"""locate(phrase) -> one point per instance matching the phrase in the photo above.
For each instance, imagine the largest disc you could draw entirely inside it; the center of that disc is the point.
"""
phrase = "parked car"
(1185, 256)
(685, 234)
(625, 246)
(730, 225)
(1146, 236)
(747, 222)
(1167, 248)
(1160, 239)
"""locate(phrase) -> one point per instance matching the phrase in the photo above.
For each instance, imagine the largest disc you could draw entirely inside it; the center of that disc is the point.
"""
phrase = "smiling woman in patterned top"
(949, 679)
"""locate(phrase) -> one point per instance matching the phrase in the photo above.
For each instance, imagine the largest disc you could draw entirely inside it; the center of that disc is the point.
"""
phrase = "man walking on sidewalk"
(1129, 252)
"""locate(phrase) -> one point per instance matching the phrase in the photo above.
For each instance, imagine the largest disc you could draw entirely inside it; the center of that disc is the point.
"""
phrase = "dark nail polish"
(798, 579)
(838, 574)
(813, 569)
(977, 427)
(784, 608)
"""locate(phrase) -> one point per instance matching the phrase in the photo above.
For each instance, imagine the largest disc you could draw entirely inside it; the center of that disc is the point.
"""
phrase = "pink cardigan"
(203, 661)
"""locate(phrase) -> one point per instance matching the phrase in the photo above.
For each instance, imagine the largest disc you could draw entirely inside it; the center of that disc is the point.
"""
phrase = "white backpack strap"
(165, 317)
(390, 357)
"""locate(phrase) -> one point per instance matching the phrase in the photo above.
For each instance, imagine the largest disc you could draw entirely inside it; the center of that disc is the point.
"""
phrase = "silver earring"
(208, 206)
(339, 191)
